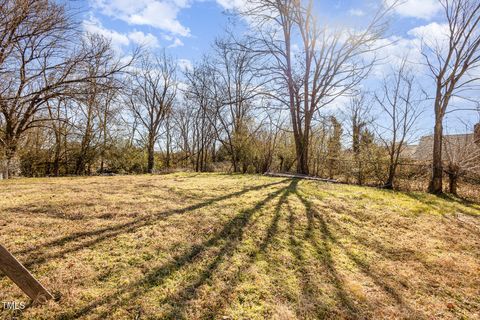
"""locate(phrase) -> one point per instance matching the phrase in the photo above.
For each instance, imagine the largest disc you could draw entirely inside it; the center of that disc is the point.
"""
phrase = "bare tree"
(93, 101)
(199, 93)
(334, 146)
(152, 98)
(235, 85)
(60, 124)
(462, 156)
(183, 127)
(359, 118)
(451, 63)
(41, 58)
(399, 101)
(107, 116)
(329, 63)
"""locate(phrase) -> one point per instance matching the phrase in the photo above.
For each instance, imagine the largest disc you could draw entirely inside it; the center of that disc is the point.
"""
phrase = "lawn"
(213, 246)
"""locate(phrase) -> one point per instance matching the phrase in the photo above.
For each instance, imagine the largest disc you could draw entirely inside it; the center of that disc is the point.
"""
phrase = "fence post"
(22, 277)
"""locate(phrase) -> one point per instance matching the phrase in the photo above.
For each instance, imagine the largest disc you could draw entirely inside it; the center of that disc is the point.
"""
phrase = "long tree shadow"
(35, 258)
(432, 201)
(261, 249)
(437, 202)
(63, 211)
(187, 294)
(309, 288)
(324, 251)
(389, 253)
(328, 240)
(232, 231)
(460, 200)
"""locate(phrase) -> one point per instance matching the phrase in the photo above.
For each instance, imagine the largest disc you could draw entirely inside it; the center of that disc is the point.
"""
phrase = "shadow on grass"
(208, 258)
(234, 280)
(308, 285)
(181, 299)
(463, 201)
(437, 202)
(324, 249)
(228, 239)
(38, 254)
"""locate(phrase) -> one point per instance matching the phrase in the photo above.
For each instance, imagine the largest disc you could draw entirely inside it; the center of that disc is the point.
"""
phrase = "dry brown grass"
(205, 246)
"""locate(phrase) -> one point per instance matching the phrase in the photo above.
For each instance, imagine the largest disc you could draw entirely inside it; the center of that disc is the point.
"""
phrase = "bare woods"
(71, 104)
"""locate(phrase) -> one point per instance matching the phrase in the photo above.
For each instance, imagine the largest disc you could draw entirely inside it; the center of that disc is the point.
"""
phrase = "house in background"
(408, 151)
(454, 146)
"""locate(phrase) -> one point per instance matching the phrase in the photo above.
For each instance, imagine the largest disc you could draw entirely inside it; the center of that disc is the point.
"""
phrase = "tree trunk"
(214, 153)
(302, 156)
(359, 168)
(56, 160)
(151, 156)
(391, 177)
(7, 168)
(167, 158)
(80, 164)
(168, 142)
(234, 165)
(436, 186)
(332, 164)
(453, 183)
(10, 151)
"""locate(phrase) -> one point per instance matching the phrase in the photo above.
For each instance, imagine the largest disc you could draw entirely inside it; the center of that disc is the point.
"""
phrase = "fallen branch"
(298, 176)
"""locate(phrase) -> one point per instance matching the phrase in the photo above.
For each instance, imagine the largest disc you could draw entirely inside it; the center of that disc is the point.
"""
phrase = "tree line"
(70, 104)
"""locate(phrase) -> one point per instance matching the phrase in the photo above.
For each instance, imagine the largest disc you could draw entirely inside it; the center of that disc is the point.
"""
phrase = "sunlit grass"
(213, 246)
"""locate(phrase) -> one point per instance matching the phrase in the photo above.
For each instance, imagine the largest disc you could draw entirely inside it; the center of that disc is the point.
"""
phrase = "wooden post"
(22, 277)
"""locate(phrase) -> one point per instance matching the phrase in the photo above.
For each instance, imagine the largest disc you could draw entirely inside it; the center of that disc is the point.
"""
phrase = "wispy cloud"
(120, 40)
(356, 12)
(420, 9)
(160, 14)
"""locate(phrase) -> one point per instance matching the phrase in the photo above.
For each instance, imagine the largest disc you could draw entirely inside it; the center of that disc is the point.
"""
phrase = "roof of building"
(452, 144)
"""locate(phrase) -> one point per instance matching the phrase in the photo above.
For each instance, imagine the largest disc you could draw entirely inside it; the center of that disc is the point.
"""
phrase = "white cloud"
(432, 33)
(420, 9)
(118, 40)
(232, 4)
(176, 43)
(147, 40)
(394, 49)
(161, 14)
(356, 12)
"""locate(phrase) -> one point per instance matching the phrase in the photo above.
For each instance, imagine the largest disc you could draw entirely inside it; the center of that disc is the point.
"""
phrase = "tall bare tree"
(152, 98)
(183, 127)
(329, 63)
(359, 119)
(334, 146)
(451, 63)
(41, 57)
(399, 100)
(60, 125)
(235, 85)
(93, 100)
(199, 94)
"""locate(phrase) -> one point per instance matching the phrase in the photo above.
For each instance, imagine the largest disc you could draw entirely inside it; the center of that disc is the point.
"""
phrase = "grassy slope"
(240, 247)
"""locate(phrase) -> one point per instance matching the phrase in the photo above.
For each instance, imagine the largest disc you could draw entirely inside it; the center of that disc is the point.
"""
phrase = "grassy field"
(212, 246)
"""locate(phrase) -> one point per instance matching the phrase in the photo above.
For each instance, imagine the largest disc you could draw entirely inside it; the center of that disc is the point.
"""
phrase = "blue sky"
(186, 29)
